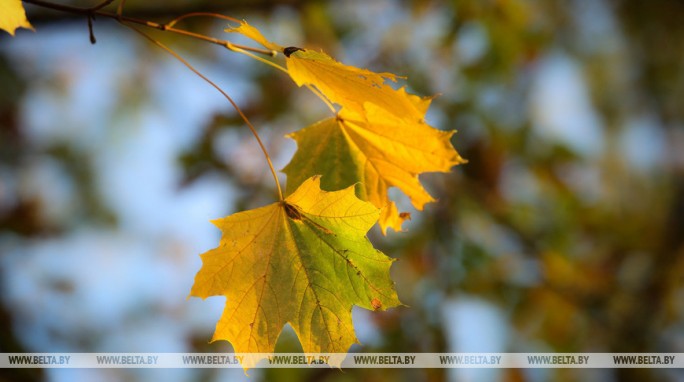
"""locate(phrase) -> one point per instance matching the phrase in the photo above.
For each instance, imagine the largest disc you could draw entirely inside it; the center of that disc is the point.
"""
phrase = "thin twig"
(150, 24)
(90, 29)
(101, 5)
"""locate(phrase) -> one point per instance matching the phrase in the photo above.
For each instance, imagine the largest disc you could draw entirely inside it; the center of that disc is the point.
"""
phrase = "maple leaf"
(378, 151)
(304, 261)
(345, 85)
(13, 16)
(352, 87)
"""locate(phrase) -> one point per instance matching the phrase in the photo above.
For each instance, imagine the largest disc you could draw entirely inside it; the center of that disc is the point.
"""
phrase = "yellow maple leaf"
(376, 150)
(304, 261)
(345, 85)
(13, 16)
(352, 87)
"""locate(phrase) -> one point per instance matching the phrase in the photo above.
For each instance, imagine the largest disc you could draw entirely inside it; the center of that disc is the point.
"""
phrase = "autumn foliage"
(314, 240)
(305, 259)
(13, 16)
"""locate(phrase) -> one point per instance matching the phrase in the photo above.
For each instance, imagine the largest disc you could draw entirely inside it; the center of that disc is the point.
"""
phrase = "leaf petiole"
(235, 106)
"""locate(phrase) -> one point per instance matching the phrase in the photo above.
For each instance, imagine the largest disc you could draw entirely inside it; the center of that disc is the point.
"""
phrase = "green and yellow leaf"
(13, 16)
(377, 151)
(304, 261)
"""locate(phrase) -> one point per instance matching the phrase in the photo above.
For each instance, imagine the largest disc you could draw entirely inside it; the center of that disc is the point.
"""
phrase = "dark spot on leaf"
(376, 304)
(292, 212)
(291, 49)
(405, 215)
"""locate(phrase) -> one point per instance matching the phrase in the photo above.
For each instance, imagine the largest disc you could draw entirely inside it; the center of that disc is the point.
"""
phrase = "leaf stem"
(201, 14)
(239, 49)
(169, 27)
(235, 106)
(320, 95)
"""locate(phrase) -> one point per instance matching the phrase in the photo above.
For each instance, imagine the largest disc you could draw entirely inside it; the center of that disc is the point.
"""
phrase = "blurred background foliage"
(563, 232)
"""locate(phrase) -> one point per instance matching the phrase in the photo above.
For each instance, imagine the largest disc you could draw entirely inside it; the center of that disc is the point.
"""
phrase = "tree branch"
(90, 13)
